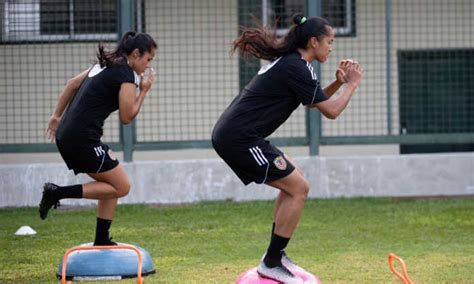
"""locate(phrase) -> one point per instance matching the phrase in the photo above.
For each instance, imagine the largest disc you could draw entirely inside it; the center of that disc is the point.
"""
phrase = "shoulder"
(294, 61)
(125, 73)
(293, 58)
(299, 67)
(285, 62)
(94, 70)
(121, 68)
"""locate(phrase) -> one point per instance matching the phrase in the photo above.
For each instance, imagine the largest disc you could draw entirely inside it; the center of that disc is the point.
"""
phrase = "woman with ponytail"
(265, 104)
(77, 122)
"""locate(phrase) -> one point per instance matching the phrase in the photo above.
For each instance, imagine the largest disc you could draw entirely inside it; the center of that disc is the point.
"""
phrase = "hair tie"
(302, 20)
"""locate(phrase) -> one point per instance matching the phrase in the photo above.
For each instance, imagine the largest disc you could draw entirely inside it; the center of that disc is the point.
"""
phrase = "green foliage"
(339, 240)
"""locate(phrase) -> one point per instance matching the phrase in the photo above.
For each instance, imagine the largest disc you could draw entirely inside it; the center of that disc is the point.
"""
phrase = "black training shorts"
(87, 158)
(258, 161)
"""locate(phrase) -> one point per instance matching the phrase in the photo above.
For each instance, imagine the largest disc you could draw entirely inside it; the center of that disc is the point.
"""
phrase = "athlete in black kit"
(266, 103)
(90, 97)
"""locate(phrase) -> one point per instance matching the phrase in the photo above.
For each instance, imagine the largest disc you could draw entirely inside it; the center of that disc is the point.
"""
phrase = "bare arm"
(332, 88)
(333, 108)
(129, 103)
(63, 101)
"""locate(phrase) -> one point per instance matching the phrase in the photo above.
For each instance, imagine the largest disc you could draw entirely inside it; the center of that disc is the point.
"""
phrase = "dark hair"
(129, 41)
(263, 43)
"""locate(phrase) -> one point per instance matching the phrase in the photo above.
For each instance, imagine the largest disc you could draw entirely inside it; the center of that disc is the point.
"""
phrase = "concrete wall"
(185, 181)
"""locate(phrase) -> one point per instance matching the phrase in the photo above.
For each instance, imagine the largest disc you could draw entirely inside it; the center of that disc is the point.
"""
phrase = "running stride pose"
(90, 97)
(266, 103)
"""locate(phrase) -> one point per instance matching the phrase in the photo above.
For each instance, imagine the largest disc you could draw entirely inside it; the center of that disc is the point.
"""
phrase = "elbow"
(329, 109)
(125, 119)
(331, 115)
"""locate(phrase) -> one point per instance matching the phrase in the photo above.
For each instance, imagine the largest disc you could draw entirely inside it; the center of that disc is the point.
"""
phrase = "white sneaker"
(278, 273)
(286, 261)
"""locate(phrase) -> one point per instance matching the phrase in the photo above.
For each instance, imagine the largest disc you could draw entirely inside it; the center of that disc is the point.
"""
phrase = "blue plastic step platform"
(86, 263)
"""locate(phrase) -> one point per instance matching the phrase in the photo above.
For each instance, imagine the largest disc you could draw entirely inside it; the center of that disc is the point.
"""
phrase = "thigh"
(292, 184)
(117, 177)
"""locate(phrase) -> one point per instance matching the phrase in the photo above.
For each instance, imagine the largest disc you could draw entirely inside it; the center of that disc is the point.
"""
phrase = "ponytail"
(262, 42)
(129, 42)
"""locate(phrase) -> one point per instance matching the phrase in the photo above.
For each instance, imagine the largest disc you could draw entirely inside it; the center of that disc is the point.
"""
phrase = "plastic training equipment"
(404, 278)
(252, 277)
(92, 263)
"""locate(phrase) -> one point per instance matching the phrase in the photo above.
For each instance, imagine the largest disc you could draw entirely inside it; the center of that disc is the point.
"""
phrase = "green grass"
(339, 240)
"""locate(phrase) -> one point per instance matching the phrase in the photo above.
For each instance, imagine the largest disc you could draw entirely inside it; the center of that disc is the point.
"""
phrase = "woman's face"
(324, 46)
(141, 63)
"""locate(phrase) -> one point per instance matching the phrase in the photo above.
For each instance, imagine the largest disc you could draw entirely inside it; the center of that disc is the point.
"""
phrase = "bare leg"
(281, 196)
(287, 212)
(108, 187)
(290, 202)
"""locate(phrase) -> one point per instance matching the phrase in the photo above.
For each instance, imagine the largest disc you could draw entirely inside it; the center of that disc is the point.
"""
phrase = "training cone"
(25, 230)
(252, 277)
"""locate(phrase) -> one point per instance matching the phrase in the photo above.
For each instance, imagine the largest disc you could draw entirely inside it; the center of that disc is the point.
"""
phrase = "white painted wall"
(187, 181)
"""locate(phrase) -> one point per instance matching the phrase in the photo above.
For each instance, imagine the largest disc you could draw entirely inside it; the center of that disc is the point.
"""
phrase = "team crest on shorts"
(111, 154)
(280, 163)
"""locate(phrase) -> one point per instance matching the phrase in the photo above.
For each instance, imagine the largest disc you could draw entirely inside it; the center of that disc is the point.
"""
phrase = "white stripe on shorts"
(255, 157)
(258, 156)
(261, 155)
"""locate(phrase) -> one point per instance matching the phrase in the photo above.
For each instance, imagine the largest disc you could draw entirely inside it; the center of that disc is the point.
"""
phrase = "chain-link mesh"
(434, 53)
(196, 76)
(361, 37)
(417, 58)
(45, 43)
(418, 77)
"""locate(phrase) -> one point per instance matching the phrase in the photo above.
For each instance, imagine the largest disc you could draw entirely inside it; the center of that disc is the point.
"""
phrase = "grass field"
(339, 240)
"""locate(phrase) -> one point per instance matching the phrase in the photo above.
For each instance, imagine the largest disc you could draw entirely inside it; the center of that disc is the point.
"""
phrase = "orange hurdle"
(404, 277)
(64, 265)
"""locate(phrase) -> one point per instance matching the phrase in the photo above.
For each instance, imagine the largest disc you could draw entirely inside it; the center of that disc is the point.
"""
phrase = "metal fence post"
(388, 40)
(126, 22)
(313, 116)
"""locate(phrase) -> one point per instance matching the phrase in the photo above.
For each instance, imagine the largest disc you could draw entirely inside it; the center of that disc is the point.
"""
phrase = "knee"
(303, 190)
(123, 189)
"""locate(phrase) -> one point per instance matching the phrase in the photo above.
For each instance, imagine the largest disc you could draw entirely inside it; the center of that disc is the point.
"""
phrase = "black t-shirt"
(269, 99)
(97, 97)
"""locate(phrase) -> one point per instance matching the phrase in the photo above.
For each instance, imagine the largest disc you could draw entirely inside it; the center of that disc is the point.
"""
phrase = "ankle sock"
(102, 231)
(275, 251)
(71, 191)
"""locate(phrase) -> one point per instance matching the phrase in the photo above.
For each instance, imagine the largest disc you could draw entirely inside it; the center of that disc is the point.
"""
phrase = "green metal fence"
(417, 57)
